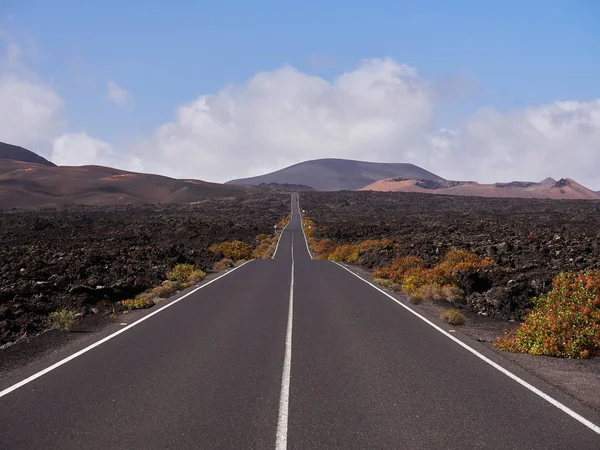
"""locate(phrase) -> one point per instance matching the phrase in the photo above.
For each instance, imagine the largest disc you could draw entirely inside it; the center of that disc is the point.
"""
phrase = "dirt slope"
(25, 184)
(565, 188)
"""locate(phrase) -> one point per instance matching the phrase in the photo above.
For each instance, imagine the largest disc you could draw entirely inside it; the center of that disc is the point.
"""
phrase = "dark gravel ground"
(530, 240)
(88, 258)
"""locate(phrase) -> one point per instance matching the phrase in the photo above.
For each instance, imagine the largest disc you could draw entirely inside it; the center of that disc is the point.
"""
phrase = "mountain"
(16, 153)
(565, 188)
(338, 174)
(26, 184)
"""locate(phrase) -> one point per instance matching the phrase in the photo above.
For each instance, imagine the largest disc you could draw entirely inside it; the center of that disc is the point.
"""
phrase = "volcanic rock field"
(88, 258)
(530, 240)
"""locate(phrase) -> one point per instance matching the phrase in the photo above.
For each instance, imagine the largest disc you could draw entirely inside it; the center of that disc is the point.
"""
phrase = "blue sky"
(502, 55)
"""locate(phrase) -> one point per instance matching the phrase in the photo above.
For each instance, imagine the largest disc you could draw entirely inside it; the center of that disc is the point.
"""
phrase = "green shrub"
(139, 302)
(63, 319)
(235, 250)
(181, 272)
(386, 283)
(453, 294)
(225, 263)
(452, 317)
(565, 322)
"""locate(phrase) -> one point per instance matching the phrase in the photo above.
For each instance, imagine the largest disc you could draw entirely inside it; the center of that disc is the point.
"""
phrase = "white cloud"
(380, 111)
(285, 116)
(77, 149)
(31, 112)
(560, 139)
(118, 95)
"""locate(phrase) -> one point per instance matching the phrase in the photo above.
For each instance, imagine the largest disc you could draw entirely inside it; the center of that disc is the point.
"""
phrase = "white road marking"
(592, 426)
(291, 215)
(303, 233)
(108, 338)
(284, 398)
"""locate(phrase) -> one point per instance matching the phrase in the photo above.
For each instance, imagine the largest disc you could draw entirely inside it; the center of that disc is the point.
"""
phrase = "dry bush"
(235, 250)
(387, 283)
(456, 261)
(63, 319)
(166, 290)
(196, 276)
(224, 264)
(453, 294)
(452, 317)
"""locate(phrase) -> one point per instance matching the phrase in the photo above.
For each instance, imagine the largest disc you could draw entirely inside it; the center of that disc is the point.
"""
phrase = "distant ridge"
(333, 174)
(16, 153)
(563, 189)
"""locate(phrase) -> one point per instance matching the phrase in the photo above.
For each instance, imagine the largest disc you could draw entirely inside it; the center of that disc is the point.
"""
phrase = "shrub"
(455, 261)
(196, 276)
(263, 251)
(235, 250)
(139, 302)
(283, 222)
(412, 273)
(430, 292)
(63, 319)
(565, 322)
(225, 263)
(452, 317)
(167, 289)
(321, 248)
(309, 227)
(401, 269)
(453, 294)
(386, 283)
(181, 272)
(345, 253)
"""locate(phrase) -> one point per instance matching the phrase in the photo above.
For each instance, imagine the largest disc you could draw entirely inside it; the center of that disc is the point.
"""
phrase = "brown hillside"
(25, 184)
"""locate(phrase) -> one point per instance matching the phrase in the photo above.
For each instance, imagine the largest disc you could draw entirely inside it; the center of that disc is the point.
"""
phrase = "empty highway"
(285, 353)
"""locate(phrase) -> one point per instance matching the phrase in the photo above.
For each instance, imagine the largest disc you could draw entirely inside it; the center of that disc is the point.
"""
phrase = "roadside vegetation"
(185, 275)
(565, 322)
(63, 319)
(452, 317)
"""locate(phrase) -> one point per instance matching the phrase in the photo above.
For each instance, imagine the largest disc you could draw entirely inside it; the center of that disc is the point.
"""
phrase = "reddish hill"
(564, 189)
(26, 184)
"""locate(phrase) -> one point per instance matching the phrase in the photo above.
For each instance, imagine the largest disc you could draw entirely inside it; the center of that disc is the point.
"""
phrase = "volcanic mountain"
(338, 174)
(565, 188)
(16, 153)
(28, 180)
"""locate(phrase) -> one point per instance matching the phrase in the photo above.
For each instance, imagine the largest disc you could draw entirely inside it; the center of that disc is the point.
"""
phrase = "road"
(288, 353)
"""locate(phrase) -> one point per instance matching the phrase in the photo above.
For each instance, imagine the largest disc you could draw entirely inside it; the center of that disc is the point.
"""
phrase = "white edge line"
(284, 397)
(592, 426)
(286, 225)
(109, 337)
(302, 228)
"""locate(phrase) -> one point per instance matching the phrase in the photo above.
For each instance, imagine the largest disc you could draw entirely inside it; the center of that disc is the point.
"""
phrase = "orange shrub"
(321, 248)
(455, 261)
(235, 250)
(401, 268)
(565, 322)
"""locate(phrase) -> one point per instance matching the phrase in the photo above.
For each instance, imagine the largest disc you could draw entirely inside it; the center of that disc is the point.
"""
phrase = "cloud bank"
(380, 111)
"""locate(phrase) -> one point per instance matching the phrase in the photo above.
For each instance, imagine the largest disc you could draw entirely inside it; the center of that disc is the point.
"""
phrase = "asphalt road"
(256, 360)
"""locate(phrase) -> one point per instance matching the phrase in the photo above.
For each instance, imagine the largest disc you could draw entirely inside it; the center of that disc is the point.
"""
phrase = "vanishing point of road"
(285, 353)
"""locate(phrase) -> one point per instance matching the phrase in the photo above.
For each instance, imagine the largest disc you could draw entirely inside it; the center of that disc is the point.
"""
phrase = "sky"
(471, 90)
